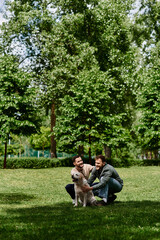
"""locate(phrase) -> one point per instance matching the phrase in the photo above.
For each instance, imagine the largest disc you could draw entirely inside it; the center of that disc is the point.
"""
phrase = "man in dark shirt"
(109, 181)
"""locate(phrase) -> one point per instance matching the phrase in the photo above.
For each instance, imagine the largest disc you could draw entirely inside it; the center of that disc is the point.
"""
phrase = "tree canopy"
(96, 68)
(18, 109)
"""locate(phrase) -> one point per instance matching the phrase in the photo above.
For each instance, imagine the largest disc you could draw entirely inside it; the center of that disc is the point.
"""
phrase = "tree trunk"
(43, 151)
(20, 148)
(53, 141)
(81, 150)
(107, 151)
(90, 161)
(156, 154)
(146, 154)
(5, 155)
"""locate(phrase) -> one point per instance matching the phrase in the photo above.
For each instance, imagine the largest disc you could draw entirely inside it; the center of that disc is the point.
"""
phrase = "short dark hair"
(101, 157)
(74, 158)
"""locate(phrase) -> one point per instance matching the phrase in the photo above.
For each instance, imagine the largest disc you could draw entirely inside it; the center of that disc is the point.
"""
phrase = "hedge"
(32, 162)
(37, 163)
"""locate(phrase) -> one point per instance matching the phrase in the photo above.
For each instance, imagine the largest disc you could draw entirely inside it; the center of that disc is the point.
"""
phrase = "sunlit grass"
(35, 205)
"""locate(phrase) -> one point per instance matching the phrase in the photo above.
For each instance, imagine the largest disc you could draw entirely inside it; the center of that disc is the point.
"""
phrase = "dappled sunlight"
(136, 218)
(42, 209)
(14, 198)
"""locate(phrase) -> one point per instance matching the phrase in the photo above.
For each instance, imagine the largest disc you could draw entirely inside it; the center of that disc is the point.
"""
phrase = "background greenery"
(83, 76)
(37, 163)
(35, 205)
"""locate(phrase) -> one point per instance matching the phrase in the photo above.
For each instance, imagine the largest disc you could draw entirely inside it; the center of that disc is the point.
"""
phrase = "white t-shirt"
(87, 168)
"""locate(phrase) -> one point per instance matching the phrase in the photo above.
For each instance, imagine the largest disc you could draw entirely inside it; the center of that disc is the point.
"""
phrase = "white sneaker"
(105, 200)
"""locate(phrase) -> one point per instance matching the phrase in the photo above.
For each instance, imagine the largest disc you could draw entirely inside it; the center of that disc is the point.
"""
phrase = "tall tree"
(18, 109)
(64, 38)
(147, 37)
(147, 27)
(54, 53)
(85, 116)
(106, 26)
(148, 99)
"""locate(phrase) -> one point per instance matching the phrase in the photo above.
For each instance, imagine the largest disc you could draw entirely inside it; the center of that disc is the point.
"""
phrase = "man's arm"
(103, 180)
(92, 177)
(87, 188)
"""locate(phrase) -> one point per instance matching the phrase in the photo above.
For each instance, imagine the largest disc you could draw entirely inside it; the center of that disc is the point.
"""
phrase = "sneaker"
(111, 199)
(101, 203)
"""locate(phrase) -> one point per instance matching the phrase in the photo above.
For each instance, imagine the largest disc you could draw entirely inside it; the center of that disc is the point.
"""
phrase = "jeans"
(112, 186)
(70, 189)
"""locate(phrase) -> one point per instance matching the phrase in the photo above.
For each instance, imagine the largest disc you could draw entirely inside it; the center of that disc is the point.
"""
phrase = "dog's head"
(76, 176)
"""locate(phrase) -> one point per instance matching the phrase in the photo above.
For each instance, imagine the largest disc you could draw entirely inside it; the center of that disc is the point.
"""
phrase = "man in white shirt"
(85, 169)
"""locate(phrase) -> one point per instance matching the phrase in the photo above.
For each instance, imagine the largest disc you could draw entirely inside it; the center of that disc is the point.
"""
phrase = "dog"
(86, 198)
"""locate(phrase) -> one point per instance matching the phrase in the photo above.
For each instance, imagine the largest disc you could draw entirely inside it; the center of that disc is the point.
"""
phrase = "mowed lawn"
(34, 205)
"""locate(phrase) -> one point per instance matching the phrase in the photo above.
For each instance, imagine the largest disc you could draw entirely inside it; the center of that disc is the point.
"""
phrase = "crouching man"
(109, 181)
(79, 166)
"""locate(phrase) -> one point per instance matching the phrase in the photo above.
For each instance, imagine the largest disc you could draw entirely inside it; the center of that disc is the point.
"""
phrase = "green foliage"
(147, 27)
(84, 57)
(18, 109)
(41, 140)
(87, 112)
(82, 111)
(31, 162)
(38, 163)
(147, 35)
(15, 149)
(99, 103)
(149, 107)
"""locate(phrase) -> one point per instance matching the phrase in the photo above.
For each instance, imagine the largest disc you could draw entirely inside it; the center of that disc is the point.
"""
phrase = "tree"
(104, 25)
(18, 109)
(146, 28)
(41, 141)
(17, 143)
(64, 38)
(85, 115)
(149, 107)
(69, 60)
(55, 54)
(147, 36)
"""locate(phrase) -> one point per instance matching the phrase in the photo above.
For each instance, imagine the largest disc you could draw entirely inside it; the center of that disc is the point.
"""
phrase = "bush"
(37, 163)
(117, 162)
(31, 162)
(153, 162)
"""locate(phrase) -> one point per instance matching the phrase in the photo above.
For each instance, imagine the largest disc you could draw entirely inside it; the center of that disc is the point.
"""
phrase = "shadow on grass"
(119, 221)
(14, 198)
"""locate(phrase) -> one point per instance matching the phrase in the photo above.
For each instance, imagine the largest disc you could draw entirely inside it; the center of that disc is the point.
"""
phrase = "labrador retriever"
(86, 198)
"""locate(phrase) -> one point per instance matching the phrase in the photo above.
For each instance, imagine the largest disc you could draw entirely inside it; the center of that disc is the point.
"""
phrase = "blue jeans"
(112, 186)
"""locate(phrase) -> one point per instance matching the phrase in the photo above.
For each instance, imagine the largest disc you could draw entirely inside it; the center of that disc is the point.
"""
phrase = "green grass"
(34, 205)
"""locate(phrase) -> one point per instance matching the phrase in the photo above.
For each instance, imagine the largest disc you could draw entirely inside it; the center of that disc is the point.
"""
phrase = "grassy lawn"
(34, 205)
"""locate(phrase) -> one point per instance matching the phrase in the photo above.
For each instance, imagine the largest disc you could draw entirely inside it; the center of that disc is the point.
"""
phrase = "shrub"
(34, 162)
(30, 162)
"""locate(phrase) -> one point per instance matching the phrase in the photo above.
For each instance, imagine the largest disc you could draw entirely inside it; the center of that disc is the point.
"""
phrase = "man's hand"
(86, 188)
